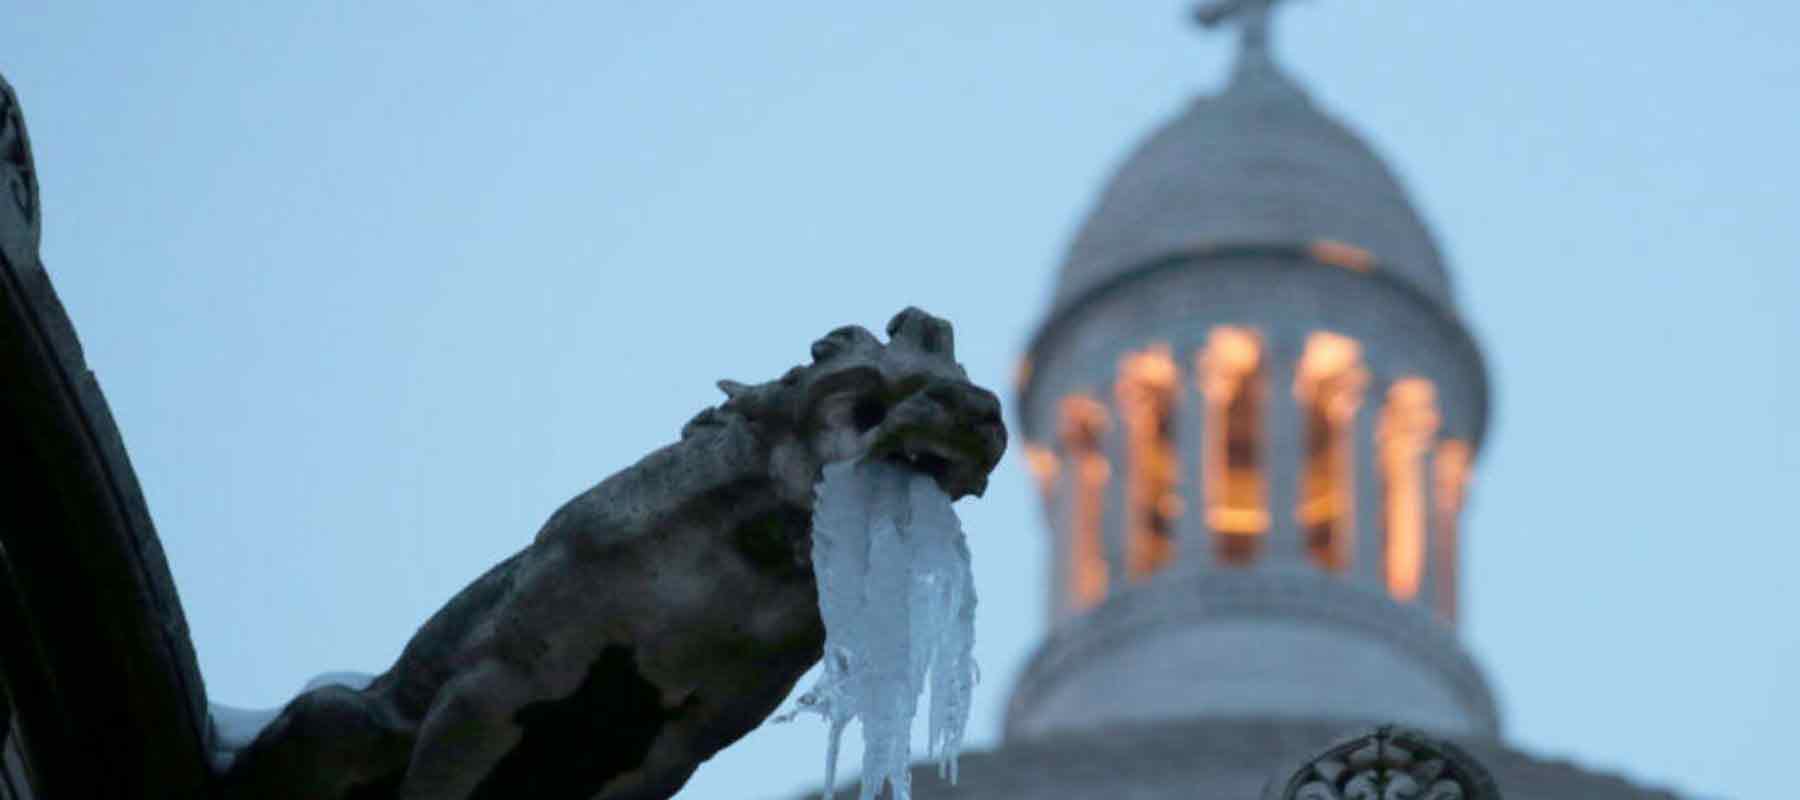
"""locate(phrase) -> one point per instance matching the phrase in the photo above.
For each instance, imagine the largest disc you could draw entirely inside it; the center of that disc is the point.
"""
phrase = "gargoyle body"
(656, 617)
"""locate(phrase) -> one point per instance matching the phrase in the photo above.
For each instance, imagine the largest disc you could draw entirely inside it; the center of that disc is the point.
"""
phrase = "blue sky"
(372, 290)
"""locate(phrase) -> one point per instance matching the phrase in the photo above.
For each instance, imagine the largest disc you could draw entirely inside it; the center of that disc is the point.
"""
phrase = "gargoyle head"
(907, 401)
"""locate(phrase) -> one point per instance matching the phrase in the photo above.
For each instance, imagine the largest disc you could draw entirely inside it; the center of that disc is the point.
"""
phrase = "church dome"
(1254, 165)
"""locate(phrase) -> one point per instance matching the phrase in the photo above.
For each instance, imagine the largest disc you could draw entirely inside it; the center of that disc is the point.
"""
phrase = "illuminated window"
(1407, 424)
(1083, 428)
(1147, 391)
(1451, 474)
(1231, 379)
(1329, 385)
(1044, 468)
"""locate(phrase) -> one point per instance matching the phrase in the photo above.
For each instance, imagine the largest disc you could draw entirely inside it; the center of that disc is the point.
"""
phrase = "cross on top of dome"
(1255, 69)
(1251, 15)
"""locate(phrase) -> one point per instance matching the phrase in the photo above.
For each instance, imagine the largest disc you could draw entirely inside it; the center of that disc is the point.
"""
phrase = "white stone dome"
(1256, 164)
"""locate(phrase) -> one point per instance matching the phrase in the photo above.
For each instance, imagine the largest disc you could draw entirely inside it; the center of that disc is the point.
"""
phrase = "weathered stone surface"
(18, 181)
(106, 696)
(657, 617)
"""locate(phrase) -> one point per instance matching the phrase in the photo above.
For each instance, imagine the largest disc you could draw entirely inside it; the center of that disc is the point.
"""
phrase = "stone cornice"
(1186, 598)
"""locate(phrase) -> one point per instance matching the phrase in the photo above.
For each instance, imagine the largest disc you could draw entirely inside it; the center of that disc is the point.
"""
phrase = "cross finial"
(1254, 16)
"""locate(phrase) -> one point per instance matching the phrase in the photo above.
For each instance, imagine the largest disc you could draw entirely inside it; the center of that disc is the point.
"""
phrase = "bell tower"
(1252, 411)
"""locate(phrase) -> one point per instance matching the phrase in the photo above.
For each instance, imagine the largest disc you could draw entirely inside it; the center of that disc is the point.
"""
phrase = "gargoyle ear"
(843, 340)
(922, 331)
(732, 389)
(706, 418)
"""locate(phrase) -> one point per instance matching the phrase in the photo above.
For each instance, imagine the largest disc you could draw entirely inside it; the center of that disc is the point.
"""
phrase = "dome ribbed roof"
(1256, 164)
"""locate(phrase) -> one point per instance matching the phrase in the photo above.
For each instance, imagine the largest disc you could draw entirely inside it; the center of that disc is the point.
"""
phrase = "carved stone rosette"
(1389, 763)
(18, 183)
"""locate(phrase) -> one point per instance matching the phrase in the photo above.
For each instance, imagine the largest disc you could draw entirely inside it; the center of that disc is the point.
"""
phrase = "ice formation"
(898, 602)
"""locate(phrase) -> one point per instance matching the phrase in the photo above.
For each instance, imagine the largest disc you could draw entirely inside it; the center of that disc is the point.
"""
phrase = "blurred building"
(1253, 411)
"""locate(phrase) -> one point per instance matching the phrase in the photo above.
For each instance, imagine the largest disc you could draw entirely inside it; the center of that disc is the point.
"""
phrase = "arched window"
(1147, 391)
(1082, 431)
(1408, 421)
(1231, 379)
(1329, 384)
(1451, 473)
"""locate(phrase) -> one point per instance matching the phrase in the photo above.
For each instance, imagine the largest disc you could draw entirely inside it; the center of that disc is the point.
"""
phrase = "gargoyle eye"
(867, 413)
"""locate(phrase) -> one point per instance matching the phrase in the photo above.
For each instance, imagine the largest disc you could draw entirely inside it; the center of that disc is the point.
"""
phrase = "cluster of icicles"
(898, 602)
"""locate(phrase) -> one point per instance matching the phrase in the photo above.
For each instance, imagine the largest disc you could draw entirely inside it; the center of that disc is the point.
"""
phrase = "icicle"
(898, 601)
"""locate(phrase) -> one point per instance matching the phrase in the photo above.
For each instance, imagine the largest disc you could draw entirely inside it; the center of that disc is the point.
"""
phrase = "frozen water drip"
(898, 601)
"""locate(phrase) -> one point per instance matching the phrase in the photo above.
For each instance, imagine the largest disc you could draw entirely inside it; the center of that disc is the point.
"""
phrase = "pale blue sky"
(372, 288)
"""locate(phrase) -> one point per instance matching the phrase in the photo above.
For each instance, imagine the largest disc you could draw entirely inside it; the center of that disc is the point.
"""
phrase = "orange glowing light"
(1329, 384)
(1339, 254)
(1083, 429)
(1230, 378)
(1451, 483)
(1147, 391)
(1044, 467)
(1408, 422)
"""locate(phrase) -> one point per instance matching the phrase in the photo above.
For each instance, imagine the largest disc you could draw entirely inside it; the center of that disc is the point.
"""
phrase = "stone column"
(1058, 506)
(1450, 475)
(1284, 444)
(1195, 545)
(1369, 556)
(1083, 431)
(1428, 578)
(1112, 526)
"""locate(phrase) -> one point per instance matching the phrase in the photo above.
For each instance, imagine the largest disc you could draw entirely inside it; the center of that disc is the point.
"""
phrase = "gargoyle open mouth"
(930, 463)
(958, 461)
(930, 458)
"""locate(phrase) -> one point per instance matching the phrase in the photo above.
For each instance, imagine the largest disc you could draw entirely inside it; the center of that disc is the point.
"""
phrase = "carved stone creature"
(658, 616)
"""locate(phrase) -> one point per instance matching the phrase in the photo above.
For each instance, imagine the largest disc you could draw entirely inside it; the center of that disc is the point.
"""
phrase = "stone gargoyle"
(655, 618)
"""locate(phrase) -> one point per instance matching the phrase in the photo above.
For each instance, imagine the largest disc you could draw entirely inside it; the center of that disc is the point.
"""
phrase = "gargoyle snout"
(954, 432)
(982, 416)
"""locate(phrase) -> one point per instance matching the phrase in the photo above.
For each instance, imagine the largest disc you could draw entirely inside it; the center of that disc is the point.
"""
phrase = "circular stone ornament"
(1388, 763)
